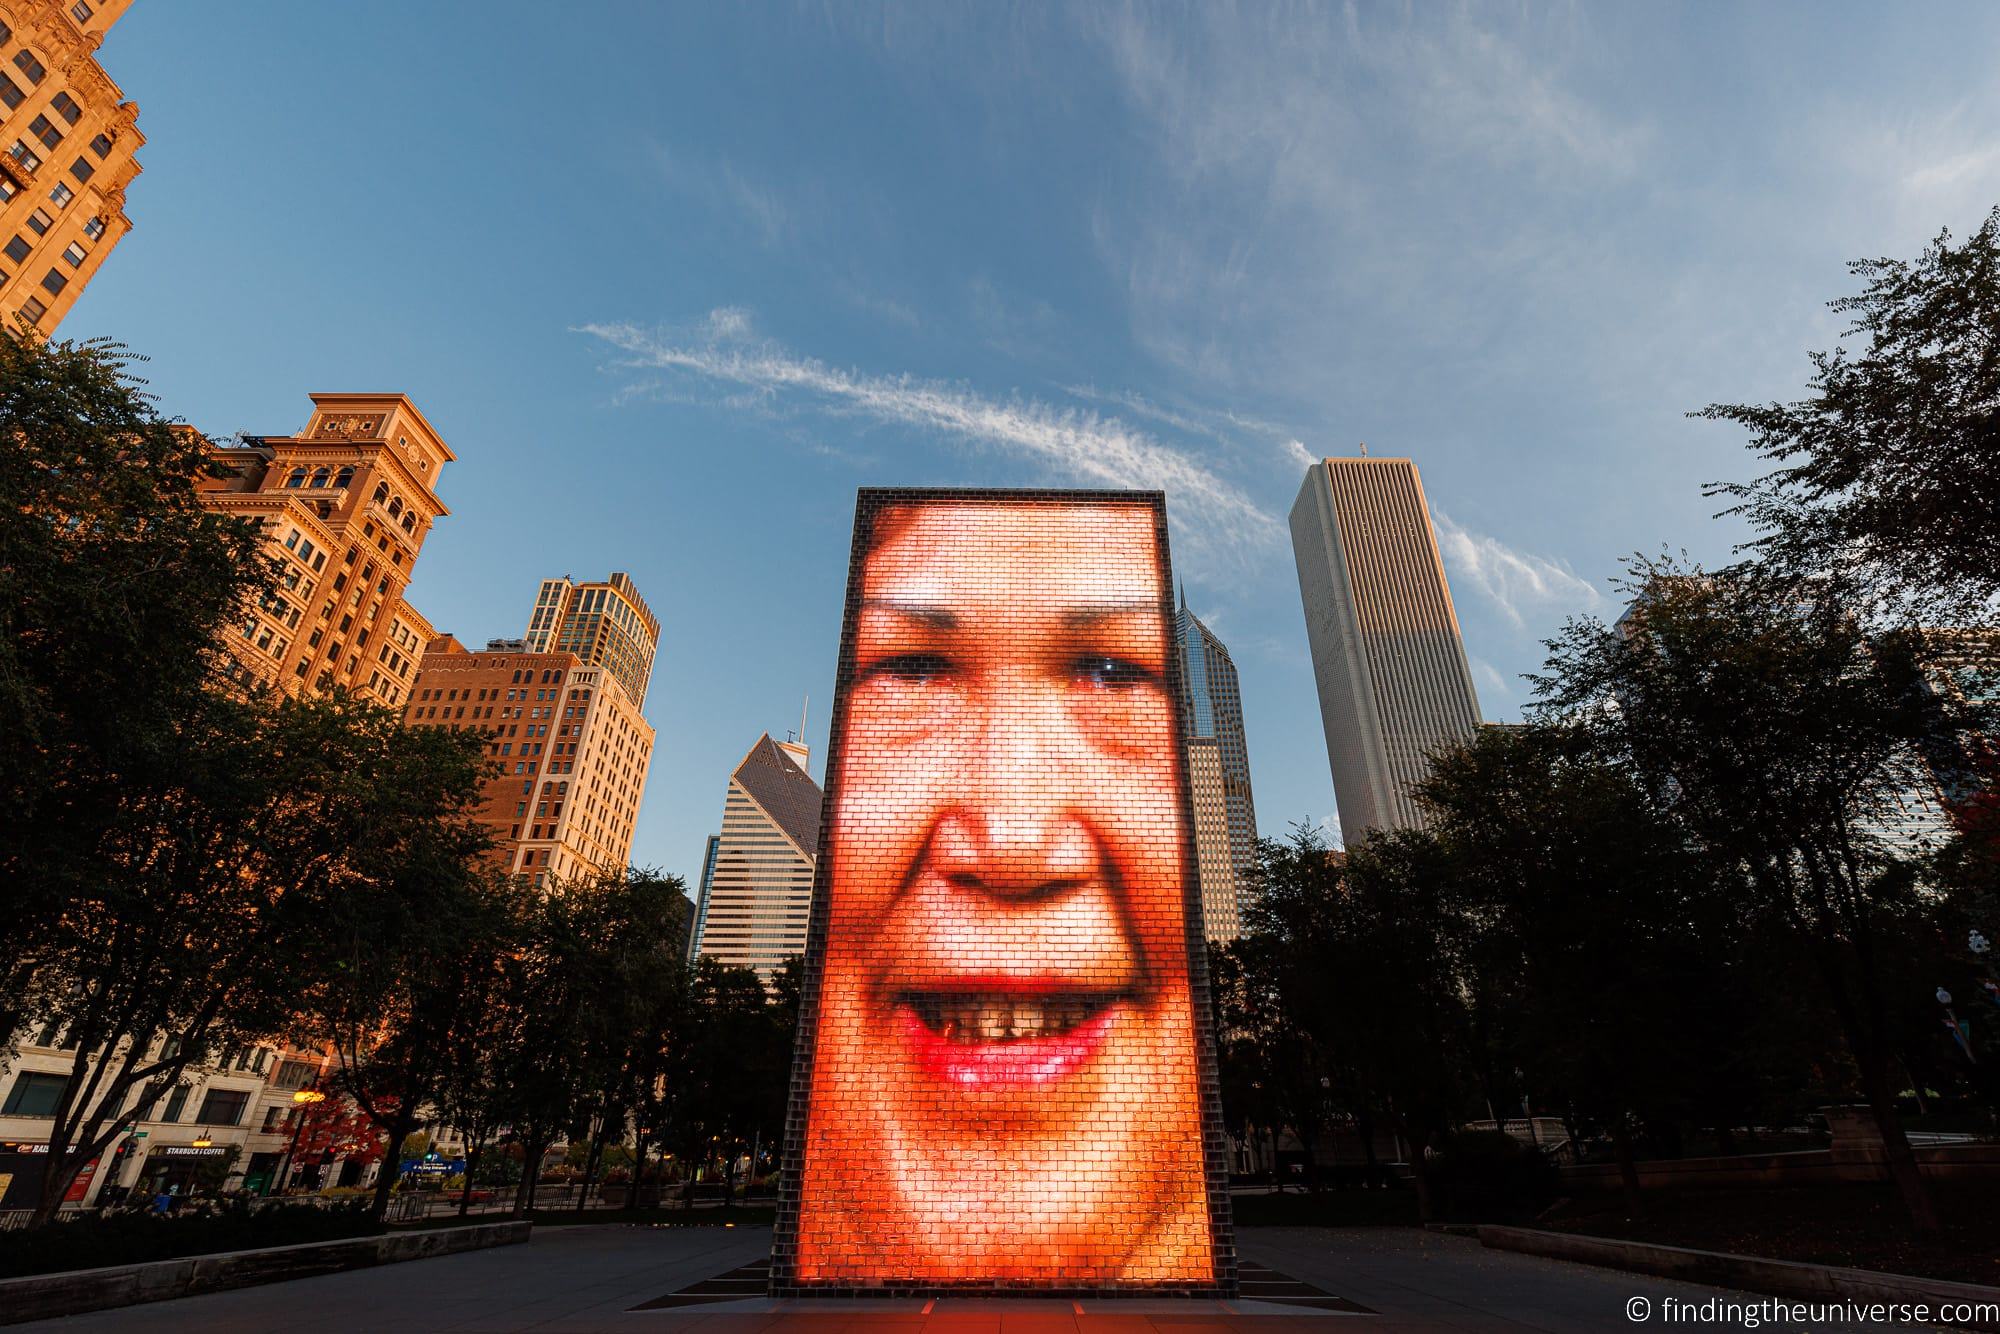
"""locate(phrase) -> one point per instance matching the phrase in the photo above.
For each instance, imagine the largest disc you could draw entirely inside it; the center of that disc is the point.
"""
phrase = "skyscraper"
(757, 884)
(573, 751)
(345, 506)
(606, 624)
(69, 141)
(1394, 685)
(1212, 723)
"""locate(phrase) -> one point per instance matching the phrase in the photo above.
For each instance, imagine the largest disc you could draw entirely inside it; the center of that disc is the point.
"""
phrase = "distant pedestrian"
(162, 1202)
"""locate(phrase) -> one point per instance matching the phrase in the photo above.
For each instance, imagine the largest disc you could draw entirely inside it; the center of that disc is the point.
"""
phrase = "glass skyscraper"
(1212, 718)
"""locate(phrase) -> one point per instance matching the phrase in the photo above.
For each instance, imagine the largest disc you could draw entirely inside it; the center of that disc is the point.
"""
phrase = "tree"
(1348, 989)
(417, 952)
(723, 1072)
(1891, 468)
(216, 876)
(1610, 937)
(583, 999)
(114, 584)
(1778, 733)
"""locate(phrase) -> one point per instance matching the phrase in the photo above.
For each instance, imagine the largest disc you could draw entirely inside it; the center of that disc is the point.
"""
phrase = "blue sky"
(675, 279)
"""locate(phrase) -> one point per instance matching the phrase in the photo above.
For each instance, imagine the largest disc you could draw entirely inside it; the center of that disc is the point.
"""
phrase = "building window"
(18, 248)
(271, 1119)
(35, 1094)
(40, 221)
(94, 228)
(25, 155)
(223, 1107)
(45, 129)
(82, 170)
(24, 61)
(66, 106)
(296, 480)
(101, 146)
(34, 309)
(10, 92)
(62, 194)
(54, 281)
(80, 11)
(73, 254)
(176, 1104)
(319, 477)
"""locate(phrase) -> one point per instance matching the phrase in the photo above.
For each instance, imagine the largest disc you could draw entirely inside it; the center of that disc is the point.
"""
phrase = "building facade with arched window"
(66, 155)
(345, 506)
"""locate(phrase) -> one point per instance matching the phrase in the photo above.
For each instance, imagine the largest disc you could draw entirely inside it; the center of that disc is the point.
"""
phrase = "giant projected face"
(1004, 1083)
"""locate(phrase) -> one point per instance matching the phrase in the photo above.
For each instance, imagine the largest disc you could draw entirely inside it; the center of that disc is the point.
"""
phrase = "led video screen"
(1005, 1077)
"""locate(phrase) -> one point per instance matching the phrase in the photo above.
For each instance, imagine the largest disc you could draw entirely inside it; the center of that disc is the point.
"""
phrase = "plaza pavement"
(588, 1278)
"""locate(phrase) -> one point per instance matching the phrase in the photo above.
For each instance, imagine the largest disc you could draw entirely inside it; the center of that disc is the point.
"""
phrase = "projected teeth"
(1002, 1019)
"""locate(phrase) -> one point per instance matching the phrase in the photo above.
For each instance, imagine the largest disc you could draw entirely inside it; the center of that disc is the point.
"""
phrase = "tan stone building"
(66, 155)
(1220, 920)
(571, 745)
(345, 506)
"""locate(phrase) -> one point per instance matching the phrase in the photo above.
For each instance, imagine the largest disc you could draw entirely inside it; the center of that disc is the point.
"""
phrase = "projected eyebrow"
(934, 618)
(940, 618)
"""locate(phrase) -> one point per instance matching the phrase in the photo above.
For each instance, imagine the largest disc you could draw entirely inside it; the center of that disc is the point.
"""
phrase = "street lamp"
(202, 1141)
(302, 1099)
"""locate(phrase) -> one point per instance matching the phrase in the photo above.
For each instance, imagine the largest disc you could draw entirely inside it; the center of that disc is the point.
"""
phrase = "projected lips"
(1004, 1083)
(1005, 1035)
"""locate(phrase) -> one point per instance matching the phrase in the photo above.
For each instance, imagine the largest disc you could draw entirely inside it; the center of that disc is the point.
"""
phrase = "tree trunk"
(1628, 1167)
(1364, 1125)
(1871, 1058)
(471, 1166)
(400, 1127)
(531, 1175)
(590, 1162)
(1426, 1205)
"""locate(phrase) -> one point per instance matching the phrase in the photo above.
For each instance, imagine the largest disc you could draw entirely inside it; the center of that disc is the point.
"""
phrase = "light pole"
(301, 1100)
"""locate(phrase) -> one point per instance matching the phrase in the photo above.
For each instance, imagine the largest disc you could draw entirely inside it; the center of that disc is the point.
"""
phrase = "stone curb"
(40, 1296)
(1778, 1278)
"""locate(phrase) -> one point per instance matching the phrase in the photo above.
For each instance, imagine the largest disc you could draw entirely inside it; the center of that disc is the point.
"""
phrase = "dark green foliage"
(114, 582)
(134, 1236)
(1891, 469)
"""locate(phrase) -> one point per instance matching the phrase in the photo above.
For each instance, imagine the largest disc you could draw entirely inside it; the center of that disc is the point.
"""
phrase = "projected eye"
(911, 668)
(1110, 673)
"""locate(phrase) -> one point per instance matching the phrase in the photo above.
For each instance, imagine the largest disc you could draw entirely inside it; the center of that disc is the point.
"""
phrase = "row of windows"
(321, 477)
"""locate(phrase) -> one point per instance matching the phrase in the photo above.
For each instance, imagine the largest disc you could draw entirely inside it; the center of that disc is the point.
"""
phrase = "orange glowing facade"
(1005, 1074)
(67, 141)
(345, 506)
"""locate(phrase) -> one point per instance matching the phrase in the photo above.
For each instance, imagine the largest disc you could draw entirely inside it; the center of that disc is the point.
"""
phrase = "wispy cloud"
(1224, 426)
(1517, 582)
(1073, 444)
(723, 186)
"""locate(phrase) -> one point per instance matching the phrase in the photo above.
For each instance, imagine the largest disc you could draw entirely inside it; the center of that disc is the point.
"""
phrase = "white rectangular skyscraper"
(1394, 685)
